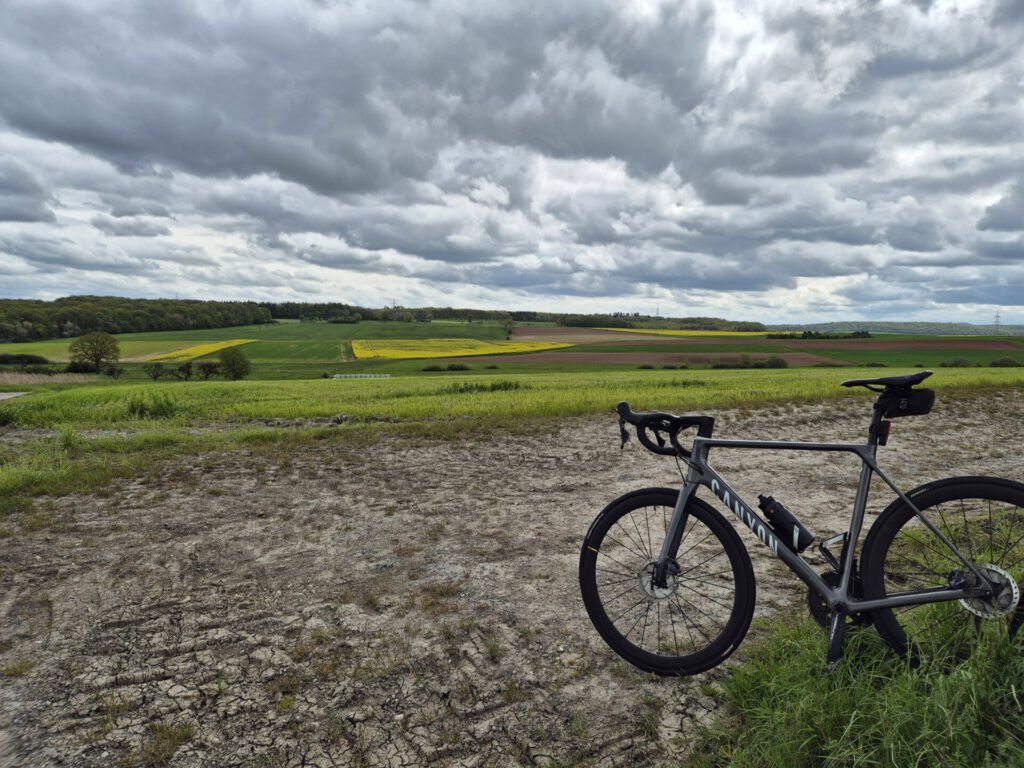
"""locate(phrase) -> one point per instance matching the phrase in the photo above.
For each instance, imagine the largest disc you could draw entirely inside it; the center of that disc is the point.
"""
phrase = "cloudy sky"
(774, 161)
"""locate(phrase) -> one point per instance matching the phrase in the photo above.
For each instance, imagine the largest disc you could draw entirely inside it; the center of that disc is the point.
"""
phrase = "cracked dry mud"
(415, 603)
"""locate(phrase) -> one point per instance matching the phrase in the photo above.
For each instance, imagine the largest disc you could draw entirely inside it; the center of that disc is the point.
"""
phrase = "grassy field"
(75, 438)
(281, 342)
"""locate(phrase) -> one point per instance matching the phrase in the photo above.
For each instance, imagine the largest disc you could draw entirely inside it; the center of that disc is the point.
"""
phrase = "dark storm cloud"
(22, 197)
(576, 150)
(1008, 213)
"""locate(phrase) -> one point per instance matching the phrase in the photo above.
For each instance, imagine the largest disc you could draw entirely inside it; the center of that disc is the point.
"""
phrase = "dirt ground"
(556, 357)
(411, 604)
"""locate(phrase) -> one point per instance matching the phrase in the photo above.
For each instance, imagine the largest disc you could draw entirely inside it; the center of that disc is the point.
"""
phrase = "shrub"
(114, 371)
(154, 370)
(1004, 362)
(432, 368)
(208, 369)
(183, 372)
(958, 362)
(20, 359)
(233, 364)
(8, 416)
(80, 366)
(668, 367)
(776, 362)
(157, 406)
(463, 388)
(457, 367)
(646, 367)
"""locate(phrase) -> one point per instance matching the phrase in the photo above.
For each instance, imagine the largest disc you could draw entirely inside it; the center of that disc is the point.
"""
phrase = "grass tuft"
(874, 710)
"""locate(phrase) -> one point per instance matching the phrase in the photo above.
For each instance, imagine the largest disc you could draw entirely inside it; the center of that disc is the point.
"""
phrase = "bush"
(233, 364)
(154, 370)
(457, 367)
(208, 369)
(668, 367)
(1004, 362)
(157, 406)
(114, 371)
(80, 366)
(464, 388)
(646, 367)
(776, 362)
(432, 368)
(20, 359)
(958, 362)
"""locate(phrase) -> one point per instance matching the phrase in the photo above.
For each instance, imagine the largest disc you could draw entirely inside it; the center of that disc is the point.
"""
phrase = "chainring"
(819, 609)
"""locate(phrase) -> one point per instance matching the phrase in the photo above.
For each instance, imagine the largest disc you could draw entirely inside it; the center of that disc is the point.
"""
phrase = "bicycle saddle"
(890, 382)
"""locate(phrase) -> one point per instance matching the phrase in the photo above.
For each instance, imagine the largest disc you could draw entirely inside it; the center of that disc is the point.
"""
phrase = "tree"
(154, 370)
(114, 371)
(183, 371)
(208, 369)
(95, 349)
(233, 364)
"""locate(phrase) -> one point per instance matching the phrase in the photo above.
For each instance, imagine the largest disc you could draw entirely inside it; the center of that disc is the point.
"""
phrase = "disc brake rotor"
(646, 578)
(1002, 603)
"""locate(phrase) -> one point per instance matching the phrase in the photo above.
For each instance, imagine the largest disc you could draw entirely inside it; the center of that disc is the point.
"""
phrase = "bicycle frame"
(840, 599)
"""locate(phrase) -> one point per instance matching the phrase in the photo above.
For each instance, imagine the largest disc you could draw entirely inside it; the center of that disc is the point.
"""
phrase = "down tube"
(761, 529)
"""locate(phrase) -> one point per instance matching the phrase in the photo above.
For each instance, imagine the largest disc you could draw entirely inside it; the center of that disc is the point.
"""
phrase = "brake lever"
(623, 433)
(659, 438)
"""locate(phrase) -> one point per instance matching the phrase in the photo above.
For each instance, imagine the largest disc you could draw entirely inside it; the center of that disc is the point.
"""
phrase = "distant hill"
(931, 329)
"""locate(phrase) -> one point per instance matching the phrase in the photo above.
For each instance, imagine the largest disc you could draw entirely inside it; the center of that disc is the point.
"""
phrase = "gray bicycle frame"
(839, 599)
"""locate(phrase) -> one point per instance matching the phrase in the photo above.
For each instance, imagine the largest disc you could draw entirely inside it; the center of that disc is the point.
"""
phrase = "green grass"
(782, 710)
(476, 397)
(280, 342)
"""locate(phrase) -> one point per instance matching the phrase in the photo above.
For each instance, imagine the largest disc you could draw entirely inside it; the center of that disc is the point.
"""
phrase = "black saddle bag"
(906, 402)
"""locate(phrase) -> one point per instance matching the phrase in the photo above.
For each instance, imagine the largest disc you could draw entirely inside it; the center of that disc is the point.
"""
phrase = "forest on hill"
(33, 320)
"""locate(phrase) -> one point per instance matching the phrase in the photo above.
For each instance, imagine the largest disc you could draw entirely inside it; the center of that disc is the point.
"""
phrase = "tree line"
(32, 320)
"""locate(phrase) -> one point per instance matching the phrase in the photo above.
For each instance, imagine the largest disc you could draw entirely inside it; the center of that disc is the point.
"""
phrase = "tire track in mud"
(416, 605)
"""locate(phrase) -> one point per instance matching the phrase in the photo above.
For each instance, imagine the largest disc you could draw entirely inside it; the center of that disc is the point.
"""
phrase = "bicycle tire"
(704, 612)
(984, 518)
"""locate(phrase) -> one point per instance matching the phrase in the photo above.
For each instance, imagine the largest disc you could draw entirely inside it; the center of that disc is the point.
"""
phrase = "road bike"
(669, 585)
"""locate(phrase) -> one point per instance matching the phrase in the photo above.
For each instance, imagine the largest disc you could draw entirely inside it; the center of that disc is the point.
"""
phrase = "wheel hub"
(646, 578)
(1005, 594)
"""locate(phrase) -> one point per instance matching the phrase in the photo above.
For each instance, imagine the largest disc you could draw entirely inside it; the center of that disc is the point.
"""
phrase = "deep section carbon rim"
(696, 617)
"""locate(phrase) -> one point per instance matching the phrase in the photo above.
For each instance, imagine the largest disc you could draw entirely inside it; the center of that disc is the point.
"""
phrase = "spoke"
(616, 573)
(1010, 549)
(639, 534)
(706, 596)
(967, 534)
(698, 565)
(617, 562)
(647, 526)
(616, 581)
(672, 624)
(635, 549)
(627, 590)
(693, 547)
(634, 605)
(687, 618)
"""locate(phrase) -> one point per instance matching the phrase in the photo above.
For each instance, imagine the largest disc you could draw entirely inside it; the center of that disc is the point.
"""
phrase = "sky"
(774, 161)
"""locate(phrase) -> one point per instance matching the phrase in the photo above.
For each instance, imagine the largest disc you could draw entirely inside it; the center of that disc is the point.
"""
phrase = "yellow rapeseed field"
(191, 353)
(660, 332)
(406, 349)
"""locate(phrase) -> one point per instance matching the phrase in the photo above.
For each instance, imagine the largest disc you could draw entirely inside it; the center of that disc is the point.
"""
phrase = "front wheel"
(984, 518)
(704, 610)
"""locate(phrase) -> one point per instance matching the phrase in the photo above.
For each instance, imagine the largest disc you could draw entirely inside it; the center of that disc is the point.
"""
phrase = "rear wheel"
(984, 518)
(704, 610)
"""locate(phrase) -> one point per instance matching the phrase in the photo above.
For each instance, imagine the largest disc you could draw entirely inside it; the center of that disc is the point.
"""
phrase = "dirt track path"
(412, 605)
